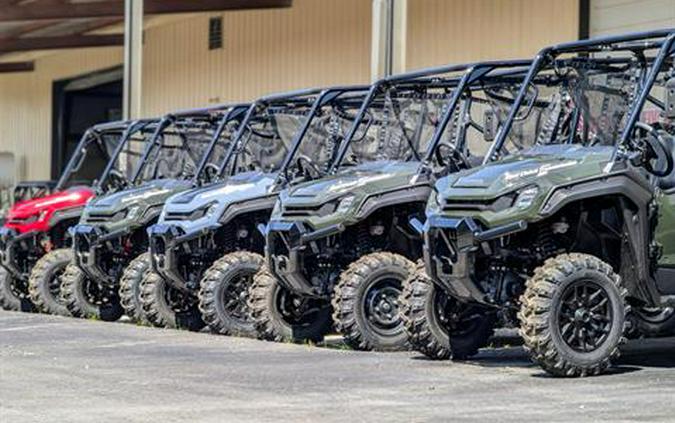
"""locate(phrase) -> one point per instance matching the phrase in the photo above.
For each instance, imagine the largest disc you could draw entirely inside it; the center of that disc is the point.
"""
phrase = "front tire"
(9, 295)
(573, 315)
(87, 299)
(167, 307)
(439, 326)
(281, 316)
(44, 285)
(366, 302)
(223, 294)
(130, 287)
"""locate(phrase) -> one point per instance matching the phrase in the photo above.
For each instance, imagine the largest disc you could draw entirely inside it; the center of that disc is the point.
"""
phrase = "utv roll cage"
(468, 74)
(636, 43)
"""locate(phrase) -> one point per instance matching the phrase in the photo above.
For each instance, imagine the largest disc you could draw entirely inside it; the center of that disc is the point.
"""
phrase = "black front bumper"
(166, 242)
(12, 244)
(88, 241)
(450, 248)
(285, 247)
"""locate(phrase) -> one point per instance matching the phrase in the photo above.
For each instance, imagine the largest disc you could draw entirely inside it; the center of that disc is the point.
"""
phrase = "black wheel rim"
(296, 310)
(455, 318)
(233, 298)
(95, 293)
(177, 300)
(18, 288)
(381, 306)
(585, 316)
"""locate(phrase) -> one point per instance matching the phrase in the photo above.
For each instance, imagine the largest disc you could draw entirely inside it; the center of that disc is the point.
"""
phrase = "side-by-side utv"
(38, 227)
(111, 239)
(284, 138)
(566, 230)
(346, 237)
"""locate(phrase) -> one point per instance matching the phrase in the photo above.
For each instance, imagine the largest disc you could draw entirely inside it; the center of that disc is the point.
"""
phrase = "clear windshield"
(267, 137)
(178, 149)
(327, 129)
(398, 125)
(580, 100)
(91, 158)
(474, 122)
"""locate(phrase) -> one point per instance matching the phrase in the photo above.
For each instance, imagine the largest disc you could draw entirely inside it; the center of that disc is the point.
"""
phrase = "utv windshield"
(102, 145)
(266, 135)
(178, 146)
(318, 142)
(424, 115)
(579, 94)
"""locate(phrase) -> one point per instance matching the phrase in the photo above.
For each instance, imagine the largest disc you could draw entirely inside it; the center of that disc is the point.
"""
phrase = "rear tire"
(366, 302)
(167, 307)
(427, 314)
(281, 316)
(9, 298)
(44, 285)
(223, 294)
(87, 299)
(573, 315)
(130, 287)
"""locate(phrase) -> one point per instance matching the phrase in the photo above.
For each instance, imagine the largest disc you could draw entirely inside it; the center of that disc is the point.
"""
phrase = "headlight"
(208, 210)
(526, 197)
(345, 204)
(133, 212)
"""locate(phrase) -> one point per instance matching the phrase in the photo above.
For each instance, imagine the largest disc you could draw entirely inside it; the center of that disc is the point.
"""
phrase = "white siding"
(617, 16)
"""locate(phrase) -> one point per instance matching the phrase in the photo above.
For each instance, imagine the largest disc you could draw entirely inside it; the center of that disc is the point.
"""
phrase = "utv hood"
(132, 207)
(36, 214)
(217, 197)
(361, 181)
(543, 166)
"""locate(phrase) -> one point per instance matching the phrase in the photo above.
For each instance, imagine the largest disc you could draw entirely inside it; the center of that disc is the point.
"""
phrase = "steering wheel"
(653, 150)
(307, 167)
(210, 172)
(116, 180)
(456, 160)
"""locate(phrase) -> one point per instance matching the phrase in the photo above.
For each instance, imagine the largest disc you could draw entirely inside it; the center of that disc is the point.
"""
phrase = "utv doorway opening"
(78, 104)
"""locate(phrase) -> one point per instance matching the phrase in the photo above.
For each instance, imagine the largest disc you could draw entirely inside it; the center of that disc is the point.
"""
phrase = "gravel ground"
(67, 370)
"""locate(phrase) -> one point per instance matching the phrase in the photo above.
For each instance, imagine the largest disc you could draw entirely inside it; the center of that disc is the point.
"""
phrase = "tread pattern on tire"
(266, 324)
(535, 312)
(345, 299)
(417, 292)
(130, 282)
(36, 290)
(208, 297)
(8, 301)
(70, 282)
(158, 315)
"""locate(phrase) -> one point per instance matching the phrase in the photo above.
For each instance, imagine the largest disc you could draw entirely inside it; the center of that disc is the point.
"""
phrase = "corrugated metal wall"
(314, 43)
(456, 31)
(617, 16)
(26, 104)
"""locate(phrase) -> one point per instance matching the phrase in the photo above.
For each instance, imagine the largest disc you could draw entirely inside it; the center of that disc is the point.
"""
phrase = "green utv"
(346, 236)
(207, 246)
(568, 229)
(110, 241)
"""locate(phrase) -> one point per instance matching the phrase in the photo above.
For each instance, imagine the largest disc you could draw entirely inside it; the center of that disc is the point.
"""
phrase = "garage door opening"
(80, 103)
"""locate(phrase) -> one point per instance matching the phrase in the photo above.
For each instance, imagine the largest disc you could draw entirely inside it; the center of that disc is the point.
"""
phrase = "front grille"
(99, 217)
(494, 205)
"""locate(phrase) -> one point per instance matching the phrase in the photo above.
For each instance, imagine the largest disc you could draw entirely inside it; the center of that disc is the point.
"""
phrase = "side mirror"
(490, 125)
(670, 99)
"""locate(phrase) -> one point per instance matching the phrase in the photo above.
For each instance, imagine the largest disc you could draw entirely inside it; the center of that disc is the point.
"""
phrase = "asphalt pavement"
(56, 369)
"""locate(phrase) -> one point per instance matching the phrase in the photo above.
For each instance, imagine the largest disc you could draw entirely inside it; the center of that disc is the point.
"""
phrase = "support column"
(133, 58)
(389, 26)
